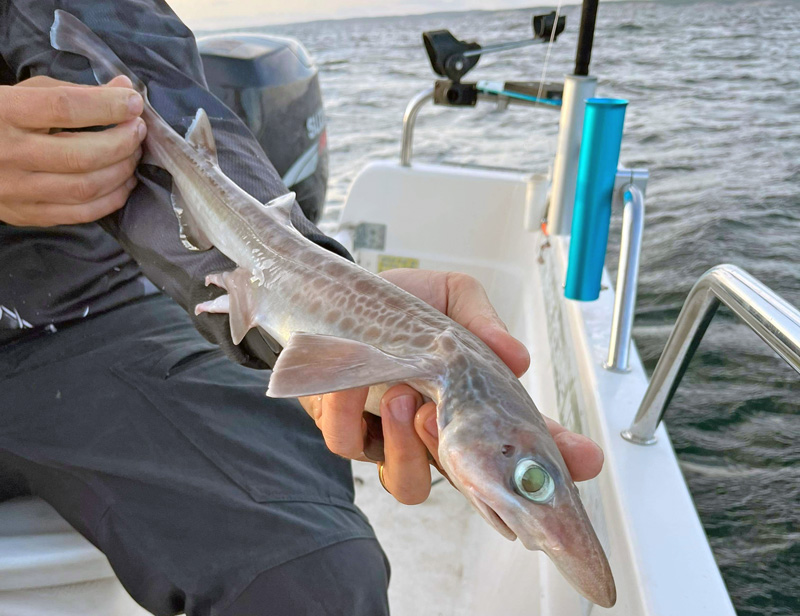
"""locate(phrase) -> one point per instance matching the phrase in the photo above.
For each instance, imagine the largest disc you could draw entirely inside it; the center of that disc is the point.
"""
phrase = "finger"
(82, 152)
(428, 429)
(341, 422)
(510, 350)
(48, 215)
(469, 306)
(120, 81)
(312, 405)
(69, 106)
(76, 188)
(463, 299)
(43, 81)
(583, 457)
(406, 472)
(553, 426)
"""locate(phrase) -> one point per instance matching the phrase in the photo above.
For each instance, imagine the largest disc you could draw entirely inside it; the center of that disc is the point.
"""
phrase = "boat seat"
(48, 568)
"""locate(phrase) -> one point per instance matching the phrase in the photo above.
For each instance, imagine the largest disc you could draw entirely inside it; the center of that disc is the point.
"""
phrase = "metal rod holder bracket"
(629, 190)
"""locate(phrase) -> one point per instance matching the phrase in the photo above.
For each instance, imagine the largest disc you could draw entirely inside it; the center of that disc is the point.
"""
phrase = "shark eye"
(533, 482)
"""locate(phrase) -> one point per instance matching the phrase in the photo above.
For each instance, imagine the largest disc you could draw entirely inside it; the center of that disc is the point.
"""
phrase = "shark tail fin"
(68, 33)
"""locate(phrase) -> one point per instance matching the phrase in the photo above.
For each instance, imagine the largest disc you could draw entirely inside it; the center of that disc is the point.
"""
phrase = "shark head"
(509, 467)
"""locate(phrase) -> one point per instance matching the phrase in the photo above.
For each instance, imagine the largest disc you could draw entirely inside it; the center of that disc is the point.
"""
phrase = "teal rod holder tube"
(597, 171)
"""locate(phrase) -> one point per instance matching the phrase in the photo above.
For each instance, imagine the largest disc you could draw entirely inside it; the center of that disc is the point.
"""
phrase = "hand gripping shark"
(343, 327)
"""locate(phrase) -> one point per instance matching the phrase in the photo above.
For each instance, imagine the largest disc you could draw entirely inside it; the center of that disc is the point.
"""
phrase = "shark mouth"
(491, 516)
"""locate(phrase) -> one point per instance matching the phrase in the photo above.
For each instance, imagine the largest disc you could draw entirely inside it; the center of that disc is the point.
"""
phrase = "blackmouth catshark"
(343, 327)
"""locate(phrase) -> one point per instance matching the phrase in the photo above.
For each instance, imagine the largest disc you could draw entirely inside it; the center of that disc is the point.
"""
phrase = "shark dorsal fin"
(200, 136)
(283, 205)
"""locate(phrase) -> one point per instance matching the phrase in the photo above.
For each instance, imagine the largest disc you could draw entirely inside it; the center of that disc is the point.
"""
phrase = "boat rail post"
(409, 120)
(628, 271)
(770, 316)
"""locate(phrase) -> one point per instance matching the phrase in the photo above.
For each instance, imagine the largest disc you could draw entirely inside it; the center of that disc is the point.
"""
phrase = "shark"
(341, 326)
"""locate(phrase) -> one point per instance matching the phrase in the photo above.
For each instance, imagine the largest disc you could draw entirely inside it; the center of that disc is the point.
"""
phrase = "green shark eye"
(533, 482)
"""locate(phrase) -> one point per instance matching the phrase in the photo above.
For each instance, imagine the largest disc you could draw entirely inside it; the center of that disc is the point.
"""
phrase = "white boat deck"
(424, 543)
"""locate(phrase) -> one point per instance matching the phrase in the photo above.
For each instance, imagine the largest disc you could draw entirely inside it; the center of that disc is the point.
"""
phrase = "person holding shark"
(118, 408)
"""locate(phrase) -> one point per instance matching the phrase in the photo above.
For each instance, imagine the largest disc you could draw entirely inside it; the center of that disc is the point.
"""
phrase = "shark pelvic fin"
(316, 364)
(192, 236)
(200, 135)
(239, 304)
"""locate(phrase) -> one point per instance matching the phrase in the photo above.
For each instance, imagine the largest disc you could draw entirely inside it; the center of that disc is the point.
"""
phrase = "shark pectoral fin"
(200, 136)
(315, 364)
(192, 236)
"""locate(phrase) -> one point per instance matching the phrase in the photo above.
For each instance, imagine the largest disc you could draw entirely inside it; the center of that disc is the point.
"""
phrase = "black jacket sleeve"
(161, 50)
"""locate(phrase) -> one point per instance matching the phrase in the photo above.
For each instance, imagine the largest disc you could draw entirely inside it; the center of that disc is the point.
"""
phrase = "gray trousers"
(206, 496)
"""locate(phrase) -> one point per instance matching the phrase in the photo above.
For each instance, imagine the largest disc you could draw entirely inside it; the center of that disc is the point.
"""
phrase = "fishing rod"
(583, 55)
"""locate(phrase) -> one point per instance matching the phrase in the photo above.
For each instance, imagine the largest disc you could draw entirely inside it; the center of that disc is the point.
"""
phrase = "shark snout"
(561, 531)
(590, 576)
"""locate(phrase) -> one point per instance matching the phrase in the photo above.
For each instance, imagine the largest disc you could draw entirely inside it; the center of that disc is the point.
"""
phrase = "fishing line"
(550, 152)
(547, 53)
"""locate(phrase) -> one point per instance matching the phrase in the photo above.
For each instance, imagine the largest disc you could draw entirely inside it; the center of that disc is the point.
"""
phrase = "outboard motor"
(273, 85)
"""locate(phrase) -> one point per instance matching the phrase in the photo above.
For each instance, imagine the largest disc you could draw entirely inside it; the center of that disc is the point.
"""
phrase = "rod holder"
(565, 165)
(597, 169)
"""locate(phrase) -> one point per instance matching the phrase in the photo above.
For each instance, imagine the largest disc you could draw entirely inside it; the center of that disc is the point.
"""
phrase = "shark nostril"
(508, 450)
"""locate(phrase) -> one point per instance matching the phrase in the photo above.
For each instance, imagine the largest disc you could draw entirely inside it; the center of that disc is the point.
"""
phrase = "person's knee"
(345, 579)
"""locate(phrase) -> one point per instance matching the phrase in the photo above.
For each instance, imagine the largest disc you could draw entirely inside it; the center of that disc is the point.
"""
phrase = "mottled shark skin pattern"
(344, 327)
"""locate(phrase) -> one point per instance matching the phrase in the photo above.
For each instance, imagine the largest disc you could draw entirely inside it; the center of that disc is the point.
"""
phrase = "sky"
(237, 13)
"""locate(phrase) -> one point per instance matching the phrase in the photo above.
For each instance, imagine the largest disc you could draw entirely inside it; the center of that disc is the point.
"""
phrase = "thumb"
(406, 472)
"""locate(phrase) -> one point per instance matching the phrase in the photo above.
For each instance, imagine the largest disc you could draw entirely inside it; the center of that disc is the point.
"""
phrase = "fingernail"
(403, 408)
(132, 181)
(138, 154)
(316, 407)
(135, 103)
(431, 426)
(141, 130)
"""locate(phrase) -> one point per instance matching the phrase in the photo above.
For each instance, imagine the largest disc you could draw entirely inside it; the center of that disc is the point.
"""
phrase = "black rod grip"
(586, 37)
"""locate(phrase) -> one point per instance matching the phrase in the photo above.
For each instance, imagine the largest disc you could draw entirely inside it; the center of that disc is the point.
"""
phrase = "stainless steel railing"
(409, 121)
(425, 96)
(627, 275)
(770, 316)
